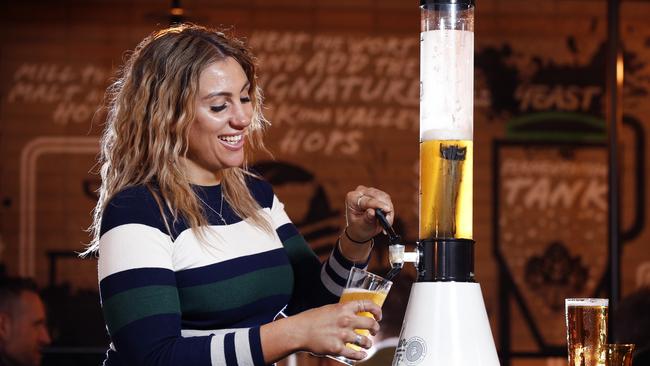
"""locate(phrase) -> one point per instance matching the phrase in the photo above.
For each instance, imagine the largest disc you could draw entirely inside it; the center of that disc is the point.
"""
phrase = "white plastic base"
(446, 325)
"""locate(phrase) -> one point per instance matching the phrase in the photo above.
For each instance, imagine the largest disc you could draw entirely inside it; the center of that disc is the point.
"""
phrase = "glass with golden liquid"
(363, 285)
(586, 323)
(618, 354)
(446, 189)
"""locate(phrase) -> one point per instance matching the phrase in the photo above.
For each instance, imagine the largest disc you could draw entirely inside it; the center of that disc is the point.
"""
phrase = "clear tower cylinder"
(446, 118)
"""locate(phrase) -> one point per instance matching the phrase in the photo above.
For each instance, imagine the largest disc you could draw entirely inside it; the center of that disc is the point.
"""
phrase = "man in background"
(23, 329)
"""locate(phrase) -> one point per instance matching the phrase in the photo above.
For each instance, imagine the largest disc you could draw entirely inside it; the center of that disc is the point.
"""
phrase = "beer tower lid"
(442, 2)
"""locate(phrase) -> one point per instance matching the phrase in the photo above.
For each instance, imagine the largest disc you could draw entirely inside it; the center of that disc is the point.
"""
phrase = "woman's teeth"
(233, 140)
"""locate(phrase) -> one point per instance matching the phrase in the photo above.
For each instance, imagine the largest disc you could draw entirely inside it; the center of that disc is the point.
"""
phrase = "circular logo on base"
(415, 350)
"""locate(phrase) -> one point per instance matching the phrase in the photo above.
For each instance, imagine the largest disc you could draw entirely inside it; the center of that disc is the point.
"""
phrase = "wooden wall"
(341, 85)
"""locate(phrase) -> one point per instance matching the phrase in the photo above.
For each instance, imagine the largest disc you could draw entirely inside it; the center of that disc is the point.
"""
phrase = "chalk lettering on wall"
(331, 142)
(75, 91)
(572, 98)
(545, 184)
(325, 92)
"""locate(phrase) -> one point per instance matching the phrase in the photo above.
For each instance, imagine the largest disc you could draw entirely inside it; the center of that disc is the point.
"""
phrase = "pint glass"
(618, 354)
(363, 285)
(586, 324)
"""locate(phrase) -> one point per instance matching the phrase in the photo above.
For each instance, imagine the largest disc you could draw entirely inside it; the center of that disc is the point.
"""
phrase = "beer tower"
(445, 322)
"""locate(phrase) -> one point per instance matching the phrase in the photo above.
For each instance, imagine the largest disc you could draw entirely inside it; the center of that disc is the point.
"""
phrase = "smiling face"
(223, 114)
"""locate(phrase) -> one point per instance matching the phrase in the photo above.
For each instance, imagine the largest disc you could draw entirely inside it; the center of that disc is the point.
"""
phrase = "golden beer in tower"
(446, 189)
(586, 322)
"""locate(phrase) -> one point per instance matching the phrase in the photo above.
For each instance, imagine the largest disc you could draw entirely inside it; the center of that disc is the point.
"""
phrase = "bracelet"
(345, 231)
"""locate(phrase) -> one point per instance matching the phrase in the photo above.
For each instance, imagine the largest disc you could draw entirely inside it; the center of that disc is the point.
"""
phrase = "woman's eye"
(218, 108)
(246, 99)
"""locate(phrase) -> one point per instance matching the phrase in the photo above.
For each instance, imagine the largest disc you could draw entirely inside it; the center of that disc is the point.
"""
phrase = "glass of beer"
(586, 324)
(363, 285)
(618, 354)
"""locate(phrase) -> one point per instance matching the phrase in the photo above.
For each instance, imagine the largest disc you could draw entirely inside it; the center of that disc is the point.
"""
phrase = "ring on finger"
(362, 307)
(357, 339)
(359, 200)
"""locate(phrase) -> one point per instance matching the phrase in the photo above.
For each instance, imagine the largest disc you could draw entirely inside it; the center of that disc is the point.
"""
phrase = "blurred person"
(632, 324)
(197, 255)
(23, 328)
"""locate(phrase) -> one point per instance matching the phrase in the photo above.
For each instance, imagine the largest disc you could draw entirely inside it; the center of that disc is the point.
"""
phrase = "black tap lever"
(394, 240)
(392, 236)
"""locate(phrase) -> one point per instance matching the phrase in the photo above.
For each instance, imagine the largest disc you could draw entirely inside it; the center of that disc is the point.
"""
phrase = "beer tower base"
(446, 325)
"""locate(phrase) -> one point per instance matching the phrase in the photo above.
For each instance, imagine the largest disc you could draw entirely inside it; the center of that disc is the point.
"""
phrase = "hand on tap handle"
(361, 221)
(392, 236)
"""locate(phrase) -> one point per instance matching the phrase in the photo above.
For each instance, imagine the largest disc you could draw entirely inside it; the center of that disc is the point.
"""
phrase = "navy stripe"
(257, 313)
(229, 349)
(345, 262)
(261, 190)
(132, 278)
(135, 341)
(212, 202)
(136, 205)
(335, 277)
(287, 231)
(133, 205)
(256, 345)
(231, 268)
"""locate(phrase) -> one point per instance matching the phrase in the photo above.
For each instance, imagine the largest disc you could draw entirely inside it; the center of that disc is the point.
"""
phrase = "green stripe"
(129, 306)
(237, 291)
(297, 247)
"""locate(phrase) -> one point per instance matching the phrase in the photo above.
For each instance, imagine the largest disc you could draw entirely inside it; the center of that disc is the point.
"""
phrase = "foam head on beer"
(586, 302)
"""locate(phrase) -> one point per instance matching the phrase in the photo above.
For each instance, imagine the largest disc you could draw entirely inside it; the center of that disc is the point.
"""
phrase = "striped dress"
(169, 299)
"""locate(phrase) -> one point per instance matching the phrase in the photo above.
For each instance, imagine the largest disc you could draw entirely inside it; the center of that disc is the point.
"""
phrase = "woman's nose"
(241, 118)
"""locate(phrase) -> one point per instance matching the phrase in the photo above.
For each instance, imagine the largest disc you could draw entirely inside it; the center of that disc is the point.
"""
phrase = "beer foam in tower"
(446, 85)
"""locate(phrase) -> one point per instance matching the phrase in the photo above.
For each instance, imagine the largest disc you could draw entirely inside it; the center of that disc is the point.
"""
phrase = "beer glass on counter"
(363, 285)
(586, 324)
(618, 354)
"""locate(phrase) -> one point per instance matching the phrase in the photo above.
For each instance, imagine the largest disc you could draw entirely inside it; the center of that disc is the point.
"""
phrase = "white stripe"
(278, 214)
(217, 353)
(343, 272)
(133, 246)
(190, 252)
(243, 348)
(330, 285)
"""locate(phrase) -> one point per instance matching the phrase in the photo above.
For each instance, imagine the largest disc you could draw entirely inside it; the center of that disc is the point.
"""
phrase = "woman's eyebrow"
(225, 93)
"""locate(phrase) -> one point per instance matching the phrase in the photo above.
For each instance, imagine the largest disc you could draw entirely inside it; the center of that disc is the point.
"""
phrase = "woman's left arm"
(317, 283)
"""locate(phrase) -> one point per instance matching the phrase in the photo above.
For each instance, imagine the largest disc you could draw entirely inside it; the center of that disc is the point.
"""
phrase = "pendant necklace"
(213, 210)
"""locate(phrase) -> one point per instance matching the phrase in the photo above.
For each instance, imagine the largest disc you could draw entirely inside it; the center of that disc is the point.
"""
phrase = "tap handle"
(392, 236)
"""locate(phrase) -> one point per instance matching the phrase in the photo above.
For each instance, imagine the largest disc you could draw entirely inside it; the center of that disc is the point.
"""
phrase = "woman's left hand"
(360, 206)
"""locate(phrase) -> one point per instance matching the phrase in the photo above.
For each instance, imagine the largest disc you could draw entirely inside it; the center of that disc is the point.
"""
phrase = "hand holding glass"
(363, 285)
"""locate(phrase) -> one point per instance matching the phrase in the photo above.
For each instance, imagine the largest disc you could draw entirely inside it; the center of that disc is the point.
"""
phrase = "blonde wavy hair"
(151, 107)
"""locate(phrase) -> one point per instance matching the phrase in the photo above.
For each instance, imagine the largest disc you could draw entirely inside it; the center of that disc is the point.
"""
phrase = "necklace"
(213, 210)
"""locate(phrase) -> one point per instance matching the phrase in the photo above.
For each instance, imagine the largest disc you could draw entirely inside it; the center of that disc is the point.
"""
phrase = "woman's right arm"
(140, 300)
(140, 296)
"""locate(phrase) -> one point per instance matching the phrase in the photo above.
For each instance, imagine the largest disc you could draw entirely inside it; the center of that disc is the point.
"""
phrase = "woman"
(184, 280)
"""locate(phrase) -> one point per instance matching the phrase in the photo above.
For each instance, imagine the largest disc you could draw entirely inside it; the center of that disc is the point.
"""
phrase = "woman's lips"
(232, 142)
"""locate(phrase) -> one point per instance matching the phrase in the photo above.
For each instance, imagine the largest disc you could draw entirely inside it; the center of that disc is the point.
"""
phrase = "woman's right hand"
(327, 329)
(324, 330)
